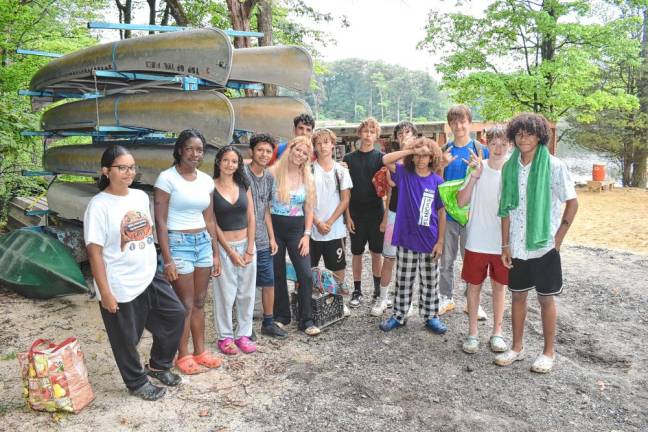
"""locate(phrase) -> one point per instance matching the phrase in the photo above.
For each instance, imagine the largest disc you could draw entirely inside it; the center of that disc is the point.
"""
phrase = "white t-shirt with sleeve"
(328, 198)
(562, 189)
(123, 227)
(188, 199)
(484, 228)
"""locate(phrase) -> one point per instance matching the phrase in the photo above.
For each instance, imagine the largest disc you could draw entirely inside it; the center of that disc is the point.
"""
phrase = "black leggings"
(288, 231)
(159, 311)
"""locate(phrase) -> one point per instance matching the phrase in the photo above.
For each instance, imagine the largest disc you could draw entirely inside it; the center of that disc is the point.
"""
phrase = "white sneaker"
(347, 311)
(379, 307)
(446, 304)
(390, 303)
(481, 313)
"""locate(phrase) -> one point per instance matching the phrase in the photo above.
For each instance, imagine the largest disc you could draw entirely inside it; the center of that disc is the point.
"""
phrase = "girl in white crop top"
(186, 233)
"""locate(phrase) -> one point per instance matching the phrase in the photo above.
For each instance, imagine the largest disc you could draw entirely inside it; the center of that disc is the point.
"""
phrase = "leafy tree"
(524, 55)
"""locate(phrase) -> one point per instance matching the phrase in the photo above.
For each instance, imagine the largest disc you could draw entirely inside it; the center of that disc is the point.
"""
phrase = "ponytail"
(107, 159)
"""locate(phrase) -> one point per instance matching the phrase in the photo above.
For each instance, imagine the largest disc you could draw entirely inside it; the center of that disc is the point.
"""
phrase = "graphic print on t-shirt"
(425, 210)
(135, 226)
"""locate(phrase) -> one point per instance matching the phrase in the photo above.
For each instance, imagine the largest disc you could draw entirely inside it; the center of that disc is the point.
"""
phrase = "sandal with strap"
(208, 360)
(188, 366)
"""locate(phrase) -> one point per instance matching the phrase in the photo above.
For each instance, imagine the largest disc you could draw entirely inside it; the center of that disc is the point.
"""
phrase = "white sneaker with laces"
(379, 307)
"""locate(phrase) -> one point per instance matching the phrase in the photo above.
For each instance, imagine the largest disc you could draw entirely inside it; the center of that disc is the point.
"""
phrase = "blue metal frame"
(38, 53)
(62, 95)
(160, 28)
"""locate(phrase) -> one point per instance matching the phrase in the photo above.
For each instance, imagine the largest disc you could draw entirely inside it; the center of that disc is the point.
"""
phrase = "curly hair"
(405, 126)
(307, 119)
(262, 137)
(239, 176)
(435, 156)
(531, 123)
(369, 122)
(182, 139)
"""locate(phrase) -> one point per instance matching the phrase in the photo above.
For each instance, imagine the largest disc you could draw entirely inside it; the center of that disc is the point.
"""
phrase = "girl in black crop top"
(235, 229)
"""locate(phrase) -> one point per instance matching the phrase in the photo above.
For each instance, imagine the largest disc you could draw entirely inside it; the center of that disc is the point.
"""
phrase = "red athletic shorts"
(477, 265)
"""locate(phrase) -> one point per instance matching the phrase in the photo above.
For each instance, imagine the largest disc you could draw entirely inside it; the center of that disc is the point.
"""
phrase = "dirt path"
(354, 377)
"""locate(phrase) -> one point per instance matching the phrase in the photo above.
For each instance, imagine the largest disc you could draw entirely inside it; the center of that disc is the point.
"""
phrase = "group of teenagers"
(233, 230)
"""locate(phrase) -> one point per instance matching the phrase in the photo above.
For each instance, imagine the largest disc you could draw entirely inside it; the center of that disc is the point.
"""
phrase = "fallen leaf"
(203, 412)
(123, 421)
(616, 291)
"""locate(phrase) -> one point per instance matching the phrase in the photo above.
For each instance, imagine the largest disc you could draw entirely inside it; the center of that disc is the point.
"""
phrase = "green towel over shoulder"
(538, 211)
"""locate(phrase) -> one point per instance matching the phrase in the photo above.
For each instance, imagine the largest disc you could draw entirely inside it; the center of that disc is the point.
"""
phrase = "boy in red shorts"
(483, 238)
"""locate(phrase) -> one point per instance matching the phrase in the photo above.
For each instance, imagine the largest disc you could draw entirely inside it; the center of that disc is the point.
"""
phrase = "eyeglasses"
(124, 168)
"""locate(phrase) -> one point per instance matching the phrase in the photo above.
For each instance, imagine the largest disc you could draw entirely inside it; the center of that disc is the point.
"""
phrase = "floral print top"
(295, 206)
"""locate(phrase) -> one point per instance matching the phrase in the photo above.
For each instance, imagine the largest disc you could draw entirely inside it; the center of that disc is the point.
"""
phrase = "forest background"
(580, 63)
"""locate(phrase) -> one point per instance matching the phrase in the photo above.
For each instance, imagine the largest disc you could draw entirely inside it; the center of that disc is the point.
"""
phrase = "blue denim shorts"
(190, 250)
(265, 271)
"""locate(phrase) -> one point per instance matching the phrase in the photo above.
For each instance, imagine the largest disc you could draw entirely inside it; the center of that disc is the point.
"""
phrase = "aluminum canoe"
(272, 115)
(286, 66)
(84, 160)
(210, 112)
(37, 265)
(205, 53)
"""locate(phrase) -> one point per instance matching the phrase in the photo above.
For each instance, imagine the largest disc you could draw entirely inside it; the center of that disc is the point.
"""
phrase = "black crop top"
(231, 217)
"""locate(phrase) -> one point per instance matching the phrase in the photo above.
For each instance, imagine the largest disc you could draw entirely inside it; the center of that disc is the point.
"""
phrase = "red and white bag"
(55, 377)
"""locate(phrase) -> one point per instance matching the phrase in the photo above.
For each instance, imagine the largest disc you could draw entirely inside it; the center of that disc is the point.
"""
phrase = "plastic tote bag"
(448, 192)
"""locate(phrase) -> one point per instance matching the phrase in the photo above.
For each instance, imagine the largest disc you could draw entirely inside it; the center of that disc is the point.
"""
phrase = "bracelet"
(307, 233)
(505, 246)
(249, 253)
(168, 264)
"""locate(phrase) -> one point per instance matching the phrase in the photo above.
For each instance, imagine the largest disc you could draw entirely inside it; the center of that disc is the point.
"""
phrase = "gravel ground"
(354, 377)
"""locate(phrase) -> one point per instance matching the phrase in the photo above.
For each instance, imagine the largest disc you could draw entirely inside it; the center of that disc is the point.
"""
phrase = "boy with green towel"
(535, 184)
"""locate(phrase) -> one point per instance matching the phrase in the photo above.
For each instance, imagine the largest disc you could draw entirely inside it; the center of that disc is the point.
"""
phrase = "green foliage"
(351, 90)
(47, 26)
(527, 56)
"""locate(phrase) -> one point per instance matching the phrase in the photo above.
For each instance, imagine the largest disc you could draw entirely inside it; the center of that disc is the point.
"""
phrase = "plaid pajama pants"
(408, 263)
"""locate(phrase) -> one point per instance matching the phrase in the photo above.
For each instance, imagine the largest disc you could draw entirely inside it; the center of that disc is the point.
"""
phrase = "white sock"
(384, 292)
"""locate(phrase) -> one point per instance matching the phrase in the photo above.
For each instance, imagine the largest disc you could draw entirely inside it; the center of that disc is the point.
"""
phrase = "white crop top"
(188, 198)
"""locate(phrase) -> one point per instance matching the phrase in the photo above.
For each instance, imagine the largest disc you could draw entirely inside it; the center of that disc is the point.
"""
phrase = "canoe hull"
(205, 53)
(272, 115)
(38, 266)
(285, 66)
(84, 160)
(209, 112)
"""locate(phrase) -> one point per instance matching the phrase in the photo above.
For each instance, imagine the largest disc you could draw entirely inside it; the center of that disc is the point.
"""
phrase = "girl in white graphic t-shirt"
(118, 232)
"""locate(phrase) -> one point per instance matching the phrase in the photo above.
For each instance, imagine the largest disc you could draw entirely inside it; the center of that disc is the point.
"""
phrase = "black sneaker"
(166, 377)
(356, 299)
(149, 392)
(273, 330)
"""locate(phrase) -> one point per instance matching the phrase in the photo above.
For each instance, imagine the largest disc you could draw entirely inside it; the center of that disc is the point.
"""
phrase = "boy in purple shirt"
(420, 217)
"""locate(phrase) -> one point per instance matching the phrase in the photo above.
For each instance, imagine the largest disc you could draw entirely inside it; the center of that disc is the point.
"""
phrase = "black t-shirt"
(362, 167)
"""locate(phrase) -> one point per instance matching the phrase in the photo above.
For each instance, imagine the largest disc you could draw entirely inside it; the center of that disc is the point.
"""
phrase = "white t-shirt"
(123, 227)
(188, 198)
(484, 228)
(562, 189)
(328, 198)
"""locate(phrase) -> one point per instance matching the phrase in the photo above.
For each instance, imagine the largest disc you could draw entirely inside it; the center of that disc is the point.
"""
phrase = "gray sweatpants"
(234, 284)
(455, 239)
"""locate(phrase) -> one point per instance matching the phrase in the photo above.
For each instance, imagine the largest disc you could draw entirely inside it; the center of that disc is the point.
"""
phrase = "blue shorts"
(190, 250)
(265, 271)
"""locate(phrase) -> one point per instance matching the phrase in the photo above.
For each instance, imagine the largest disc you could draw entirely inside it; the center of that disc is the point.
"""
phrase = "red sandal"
(188, 366)
(208, 360)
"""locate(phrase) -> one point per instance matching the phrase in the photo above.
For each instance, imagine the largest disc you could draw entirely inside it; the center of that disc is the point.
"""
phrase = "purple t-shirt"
(417, 221)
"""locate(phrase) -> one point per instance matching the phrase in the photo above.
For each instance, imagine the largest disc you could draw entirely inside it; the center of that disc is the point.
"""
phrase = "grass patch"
(10, 356)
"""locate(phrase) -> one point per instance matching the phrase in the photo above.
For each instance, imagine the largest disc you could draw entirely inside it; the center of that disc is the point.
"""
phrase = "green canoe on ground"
(37, 265)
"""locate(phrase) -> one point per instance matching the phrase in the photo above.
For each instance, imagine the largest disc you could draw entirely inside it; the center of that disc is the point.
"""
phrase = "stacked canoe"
(132, 103)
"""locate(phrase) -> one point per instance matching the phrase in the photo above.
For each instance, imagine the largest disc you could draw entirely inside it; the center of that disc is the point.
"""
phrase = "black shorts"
(331, 250)
(544, 273)
(367, 230)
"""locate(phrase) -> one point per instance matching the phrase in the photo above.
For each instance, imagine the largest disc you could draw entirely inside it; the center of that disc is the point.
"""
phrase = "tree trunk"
(125, 13)
(152, 13)
(264, 25)
(240, 12)
(639, 168)
(177, 12)
(641, 150)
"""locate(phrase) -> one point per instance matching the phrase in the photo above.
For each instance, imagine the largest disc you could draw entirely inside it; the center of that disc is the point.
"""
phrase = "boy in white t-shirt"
(484, 238)
(332, 184)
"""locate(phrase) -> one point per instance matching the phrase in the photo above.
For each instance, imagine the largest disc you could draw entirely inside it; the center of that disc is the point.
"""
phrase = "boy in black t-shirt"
(365, 211)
